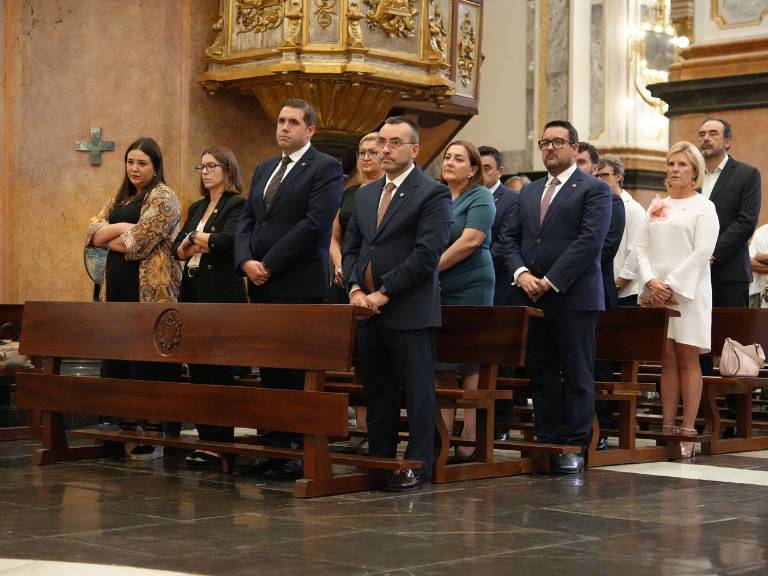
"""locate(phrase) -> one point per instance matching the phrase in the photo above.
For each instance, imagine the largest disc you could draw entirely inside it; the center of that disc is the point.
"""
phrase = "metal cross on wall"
(95, 146)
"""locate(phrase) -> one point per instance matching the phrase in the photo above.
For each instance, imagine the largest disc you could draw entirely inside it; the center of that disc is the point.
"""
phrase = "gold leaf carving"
(259, 15)
(437, 33)
(324, 12)
(353, 18)
(292, 37)
(395, 17)
(467, 48)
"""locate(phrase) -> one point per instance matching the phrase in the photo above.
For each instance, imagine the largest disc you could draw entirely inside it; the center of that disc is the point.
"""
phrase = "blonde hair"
(373, 136)
(695, 157)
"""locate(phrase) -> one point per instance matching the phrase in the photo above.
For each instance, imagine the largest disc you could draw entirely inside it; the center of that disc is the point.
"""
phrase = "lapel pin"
(402, 194)
(573, 185)
(303, 163)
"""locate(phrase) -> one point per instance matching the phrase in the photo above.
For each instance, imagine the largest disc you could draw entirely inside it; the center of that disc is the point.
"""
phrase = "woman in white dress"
(674, 254)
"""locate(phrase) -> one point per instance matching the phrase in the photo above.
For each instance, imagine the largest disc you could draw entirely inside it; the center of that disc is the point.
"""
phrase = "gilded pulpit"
(356, 61)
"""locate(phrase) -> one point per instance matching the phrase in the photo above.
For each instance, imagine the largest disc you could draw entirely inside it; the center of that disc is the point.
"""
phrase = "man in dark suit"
(734, 189)
(502, 296)
(552, 245)
(282, 238)
(587, 159)
(392, 247)
(502, 196)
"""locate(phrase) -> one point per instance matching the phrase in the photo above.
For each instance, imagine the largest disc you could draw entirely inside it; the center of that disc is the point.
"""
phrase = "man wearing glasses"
(392, 247)
(282, 238)
(552, 245)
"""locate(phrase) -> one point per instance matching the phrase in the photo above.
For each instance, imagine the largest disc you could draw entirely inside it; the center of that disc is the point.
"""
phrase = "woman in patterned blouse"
(138, 226)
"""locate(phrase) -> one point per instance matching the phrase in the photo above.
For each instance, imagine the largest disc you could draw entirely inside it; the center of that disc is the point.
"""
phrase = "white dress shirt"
(625, 262)
(710, 178)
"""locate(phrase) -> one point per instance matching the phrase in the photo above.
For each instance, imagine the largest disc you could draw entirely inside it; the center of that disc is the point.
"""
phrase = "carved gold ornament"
(437, 33)
(259, 15)
(324, 10)
(467, 47)
(293, 36)
(217, 48)
(395, 17)
(353, 19)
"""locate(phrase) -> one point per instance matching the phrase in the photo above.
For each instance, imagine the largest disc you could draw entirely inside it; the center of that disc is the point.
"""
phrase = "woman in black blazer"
(205, 244)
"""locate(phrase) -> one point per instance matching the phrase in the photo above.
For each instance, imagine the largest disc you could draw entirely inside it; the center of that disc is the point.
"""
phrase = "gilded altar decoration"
(355, 38)
(167, 332)
(293, 36)
(324, 10)
(466, 53)
(217, 48)
(259, 15)
(438, 35)
(395, 17)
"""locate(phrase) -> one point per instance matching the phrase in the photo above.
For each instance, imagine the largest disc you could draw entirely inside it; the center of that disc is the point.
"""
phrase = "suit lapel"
(218, 210)
(722, 180)
(538, 192)
(402, 194)
(562, 195)
(301, 165)
(257, 194)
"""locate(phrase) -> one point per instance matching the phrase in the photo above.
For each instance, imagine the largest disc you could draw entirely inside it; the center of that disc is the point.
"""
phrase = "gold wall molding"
(354, 29)
(438, 35)
(719, 16)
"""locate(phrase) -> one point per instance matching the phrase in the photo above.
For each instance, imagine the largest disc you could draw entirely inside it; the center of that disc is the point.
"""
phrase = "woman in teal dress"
(466, 267)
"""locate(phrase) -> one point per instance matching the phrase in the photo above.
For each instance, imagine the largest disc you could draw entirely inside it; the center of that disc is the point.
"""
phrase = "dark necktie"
(274, 184)
(386, 198)
(547, 200)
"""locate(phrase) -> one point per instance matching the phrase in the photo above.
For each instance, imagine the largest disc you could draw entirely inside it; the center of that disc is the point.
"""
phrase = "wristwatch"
(383, 289)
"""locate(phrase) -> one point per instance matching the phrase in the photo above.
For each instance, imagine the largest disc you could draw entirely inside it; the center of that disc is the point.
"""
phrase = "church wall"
(128, 67)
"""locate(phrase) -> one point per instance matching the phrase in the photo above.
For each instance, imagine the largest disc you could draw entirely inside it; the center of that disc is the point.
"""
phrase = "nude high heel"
(687, 448)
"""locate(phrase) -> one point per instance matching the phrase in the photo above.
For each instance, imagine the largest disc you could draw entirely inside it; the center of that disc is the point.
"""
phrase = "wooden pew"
(747, 326)
(488, 336)
(315, 338)
(14, 313)
(629, 336)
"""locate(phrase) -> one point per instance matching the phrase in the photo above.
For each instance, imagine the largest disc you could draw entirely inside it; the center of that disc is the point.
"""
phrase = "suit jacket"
(405, 249)
(503, 197)
(566, 247)
(216, 281)
(736, 197)
(610, 248)
(291, 238)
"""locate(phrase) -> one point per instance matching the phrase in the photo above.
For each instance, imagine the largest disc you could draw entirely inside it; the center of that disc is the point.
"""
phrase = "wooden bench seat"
(314, 338)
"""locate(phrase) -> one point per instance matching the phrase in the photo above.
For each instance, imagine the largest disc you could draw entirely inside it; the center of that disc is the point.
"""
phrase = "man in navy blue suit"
(282, 239)
(392, 247)
(552, 243)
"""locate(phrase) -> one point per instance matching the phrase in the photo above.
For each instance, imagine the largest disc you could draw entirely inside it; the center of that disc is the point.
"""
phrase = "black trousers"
(281, 378)
(212, 374)
(393, 364)
(560, 359)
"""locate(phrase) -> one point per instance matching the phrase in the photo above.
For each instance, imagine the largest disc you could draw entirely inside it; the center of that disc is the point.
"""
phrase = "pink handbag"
(739, 360)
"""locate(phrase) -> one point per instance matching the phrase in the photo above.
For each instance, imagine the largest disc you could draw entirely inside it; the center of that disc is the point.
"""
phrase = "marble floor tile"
(695, 472)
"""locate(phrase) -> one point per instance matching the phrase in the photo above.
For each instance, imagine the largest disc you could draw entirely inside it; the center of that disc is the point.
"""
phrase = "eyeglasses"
(557, 143)
(209, 167)
(605, 174)
(372, 154)
(393, 144)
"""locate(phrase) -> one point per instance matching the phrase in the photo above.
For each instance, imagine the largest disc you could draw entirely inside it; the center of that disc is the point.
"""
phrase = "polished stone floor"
(709, 516)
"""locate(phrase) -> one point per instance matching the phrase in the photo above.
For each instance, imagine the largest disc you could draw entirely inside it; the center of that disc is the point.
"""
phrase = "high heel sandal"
(687, 448)
(669, 429)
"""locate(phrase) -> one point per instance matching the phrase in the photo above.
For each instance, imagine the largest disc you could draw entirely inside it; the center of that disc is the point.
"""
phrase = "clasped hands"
(256, 272)
(661, 293)
(534, 287)
(187, 249)
(372, 303)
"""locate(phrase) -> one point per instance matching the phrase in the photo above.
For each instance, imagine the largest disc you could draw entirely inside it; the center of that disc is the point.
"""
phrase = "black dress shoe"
(568, 464)
(501, 436)
(404, 480)
(262, 465)
(602, 443)
(458, 458)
